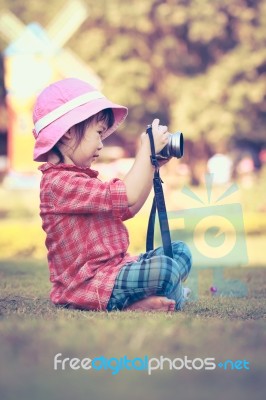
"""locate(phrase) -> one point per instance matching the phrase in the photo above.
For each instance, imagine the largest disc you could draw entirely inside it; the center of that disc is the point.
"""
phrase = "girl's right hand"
(138, 180)
(160, 136)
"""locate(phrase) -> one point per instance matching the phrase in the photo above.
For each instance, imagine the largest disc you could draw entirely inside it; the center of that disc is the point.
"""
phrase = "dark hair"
(106, 116)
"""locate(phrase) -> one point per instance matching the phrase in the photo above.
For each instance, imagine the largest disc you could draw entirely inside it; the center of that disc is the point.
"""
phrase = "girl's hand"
(162, 162)
(138, 180)
(160, 136)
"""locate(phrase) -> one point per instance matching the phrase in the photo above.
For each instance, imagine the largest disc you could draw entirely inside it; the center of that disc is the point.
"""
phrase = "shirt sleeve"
(79, 194)
(127, 215)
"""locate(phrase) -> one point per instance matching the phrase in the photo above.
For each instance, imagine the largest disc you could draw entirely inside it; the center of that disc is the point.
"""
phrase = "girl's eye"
(100, 132)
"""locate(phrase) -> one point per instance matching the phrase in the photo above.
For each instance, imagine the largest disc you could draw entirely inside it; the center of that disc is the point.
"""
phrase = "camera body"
(174, 147)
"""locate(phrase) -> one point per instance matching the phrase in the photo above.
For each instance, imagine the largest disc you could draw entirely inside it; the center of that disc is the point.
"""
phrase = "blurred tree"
(199, 65)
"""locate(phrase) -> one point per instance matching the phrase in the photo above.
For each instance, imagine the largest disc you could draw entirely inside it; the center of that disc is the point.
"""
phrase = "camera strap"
(159, 204)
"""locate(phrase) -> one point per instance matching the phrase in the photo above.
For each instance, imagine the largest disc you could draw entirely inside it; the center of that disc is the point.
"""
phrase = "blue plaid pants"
(152, 273)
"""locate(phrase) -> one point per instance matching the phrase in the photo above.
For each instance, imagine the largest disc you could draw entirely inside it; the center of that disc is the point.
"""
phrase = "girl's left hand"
(162, 162)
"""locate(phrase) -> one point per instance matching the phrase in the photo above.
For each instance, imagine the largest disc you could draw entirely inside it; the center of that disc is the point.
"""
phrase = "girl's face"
(88, 149)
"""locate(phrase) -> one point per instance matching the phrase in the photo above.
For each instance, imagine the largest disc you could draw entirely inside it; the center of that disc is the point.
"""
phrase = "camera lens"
(176, 148)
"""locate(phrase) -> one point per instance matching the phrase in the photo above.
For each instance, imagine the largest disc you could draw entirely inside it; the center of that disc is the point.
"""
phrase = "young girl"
(86, 239)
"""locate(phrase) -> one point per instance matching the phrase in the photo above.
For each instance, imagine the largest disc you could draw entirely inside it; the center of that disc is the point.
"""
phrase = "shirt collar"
(91, 172)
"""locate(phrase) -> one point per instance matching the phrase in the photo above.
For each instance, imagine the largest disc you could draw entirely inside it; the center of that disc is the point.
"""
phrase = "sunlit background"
(198, 65)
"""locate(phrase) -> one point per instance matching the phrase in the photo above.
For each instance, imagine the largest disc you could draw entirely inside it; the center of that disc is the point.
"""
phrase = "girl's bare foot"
(153, 303)
(172, 306)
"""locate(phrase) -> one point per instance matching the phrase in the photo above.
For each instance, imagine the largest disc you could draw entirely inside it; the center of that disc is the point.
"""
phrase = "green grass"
(25, 293)
(32, 331)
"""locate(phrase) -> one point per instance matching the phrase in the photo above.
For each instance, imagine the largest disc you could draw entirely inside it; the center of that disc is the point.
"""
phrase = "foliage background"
(198, 64)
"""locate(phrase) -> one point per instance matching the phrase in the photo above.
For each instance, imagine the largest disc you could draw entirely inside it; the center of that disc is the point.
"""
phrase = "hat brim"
(53, 132)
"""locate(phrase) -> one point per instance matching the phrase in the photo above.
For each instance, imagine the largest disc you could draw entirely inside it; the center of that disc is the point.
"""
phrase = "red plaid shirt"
(86, 239)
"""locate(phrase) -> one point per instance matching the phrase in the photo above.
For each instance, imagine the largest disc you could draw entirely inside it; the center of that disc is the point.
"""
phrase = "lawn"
(33, 331)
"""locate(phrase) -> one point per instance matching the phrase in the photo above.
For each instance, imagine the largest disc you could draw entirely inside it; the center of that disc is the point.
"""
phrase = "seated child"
(82, 216)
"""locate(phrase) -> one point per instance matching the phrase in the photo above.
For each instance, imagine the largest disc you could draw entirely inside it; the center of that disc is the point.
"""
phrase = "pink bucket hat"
(62, 105)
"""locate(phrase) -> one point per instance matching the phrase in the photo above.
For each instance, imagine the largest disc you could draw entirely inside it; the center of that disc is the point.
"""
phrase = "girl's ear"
(68, 135)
